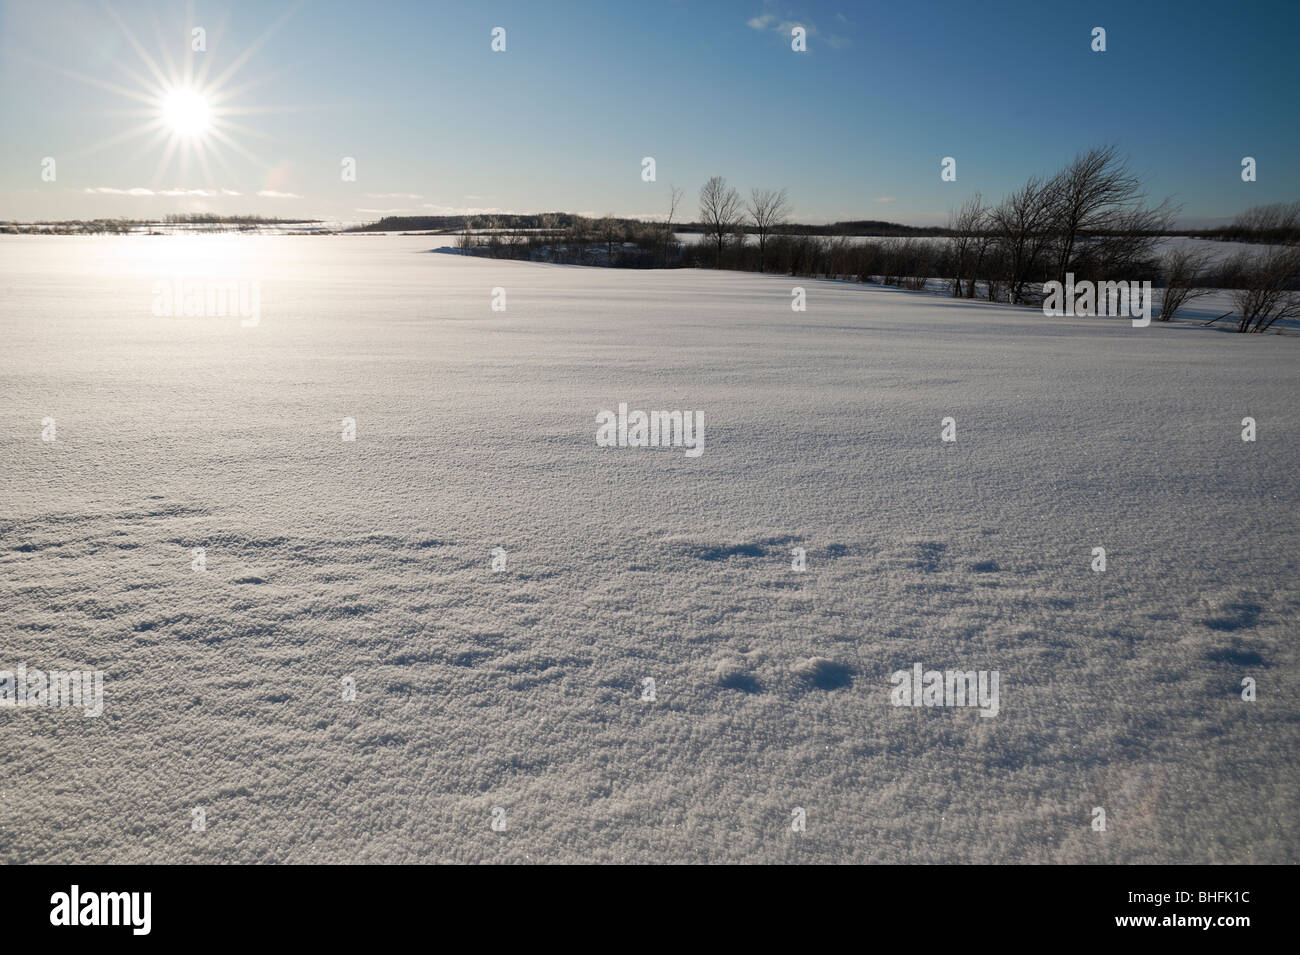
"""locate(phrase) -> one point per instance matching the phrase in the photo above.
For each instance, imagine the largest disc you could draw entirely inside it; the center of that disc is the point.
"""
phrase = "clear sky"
(855, 127)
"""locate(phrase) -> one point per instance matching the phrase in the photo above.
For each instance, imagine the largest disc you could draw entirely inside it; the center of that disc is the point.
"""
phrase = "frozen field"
(371, 560)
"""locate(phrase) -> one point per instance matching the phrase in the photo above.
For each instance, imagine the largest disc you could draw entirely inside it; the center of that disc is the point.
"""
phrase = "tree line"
(1091, 221)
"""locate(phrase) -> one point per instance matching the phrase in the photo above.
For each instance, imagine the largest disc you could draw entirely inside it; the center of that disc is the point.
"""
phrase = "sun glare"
(187, 117)
(186, 112)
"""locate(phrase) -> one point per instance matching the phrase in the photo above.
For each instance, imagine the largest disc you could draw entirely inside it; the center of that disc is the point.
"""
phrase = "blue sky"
(855, 127)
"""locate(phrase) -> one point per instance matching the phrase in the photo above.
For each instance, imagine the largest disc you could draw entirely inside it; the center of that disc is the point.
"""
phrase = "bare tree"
(1269, 287)
(581, 233)
(467, 240)
(1085, 195)
(1022, 224)
(767, 209)
(548, 229)
(917, 258)
(610, 231)
(1183, 269)
(892, 254)
(675, 196)
(967, 248)
(1128, 245)
(514, 237)
(494, 236)
(720, 211)
(1276, 222)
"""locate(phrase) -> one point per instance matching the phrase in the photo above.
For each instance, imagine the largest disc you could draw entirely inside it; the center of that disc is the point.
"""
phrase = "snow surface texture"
(522, 689)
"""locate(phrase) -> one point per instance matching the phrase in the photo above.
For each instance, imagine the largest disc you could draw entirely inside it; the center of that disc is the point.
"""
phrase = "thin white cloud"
(437, 210)
(111, 191)
(140, 192)
(432, 209)
(786, 28)
(391, 195)
(273, 194)
(885, 199)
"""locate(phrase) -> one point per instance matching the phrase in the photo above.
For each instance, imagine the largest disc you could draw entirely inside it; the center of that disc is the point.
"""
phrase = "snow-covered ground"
(371, 560)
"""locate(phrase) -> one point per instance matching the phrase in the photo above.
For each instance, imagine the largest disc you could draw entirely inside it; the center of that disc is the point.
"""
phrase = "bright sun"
(186, 112)
(186, 115)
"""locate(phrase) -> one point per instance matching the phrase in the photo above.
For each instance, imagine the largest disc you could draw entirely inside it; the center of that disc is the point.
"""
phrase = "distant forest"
(456, 225)
(566, 220)
(206, 221)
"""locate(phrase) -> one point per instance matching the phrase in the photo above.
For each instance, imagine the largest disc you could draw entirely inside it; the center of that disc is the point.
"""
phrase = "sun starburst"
(184, 117)
(187, 112)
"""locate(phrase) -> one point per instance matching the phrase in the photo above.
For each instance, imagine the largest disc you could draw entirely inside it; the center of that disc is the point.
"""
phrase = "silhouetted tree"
(720, 212)
(767, 209)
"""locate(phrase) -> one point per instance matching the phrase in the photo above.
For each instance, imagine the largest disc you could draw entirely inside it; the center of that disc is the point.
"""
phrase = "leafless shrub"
(610, 232)
(891, 261)
(467, 240)
(917, 260)
(1183, 270)
(1269, 290)
(1276, 222)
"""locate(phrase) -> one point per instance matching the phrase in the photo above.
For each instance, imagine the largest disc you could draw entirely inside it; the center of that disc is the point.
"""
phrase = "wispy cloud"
(885, 199)
(273, 194)
(111, 191)
(785, 27)
(392, 195)
(436, 210)
(140, 192)
(433, 209)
